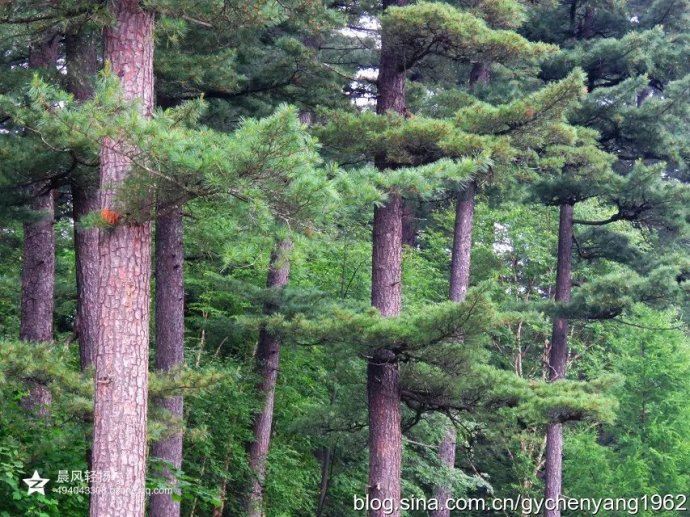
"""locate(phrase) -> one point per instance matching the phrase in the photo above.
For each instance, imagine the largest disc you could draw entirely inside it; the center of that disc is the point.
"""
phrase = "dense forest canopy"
(295, 257)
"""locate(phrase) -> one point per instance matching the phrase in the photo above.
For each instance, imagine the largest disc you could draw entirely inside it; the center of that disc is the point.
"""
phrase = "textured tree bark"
(383, 381)
(391, 79)
(462, 243)
(410, 230)
(267, 364)
(558, 356)
(38, 253)
(121, 360)
(169, 342)
(82, 65)
(386, 292)
(38, 284)
(38, 271)
(460, 282)
(85, 201)
(385, 436)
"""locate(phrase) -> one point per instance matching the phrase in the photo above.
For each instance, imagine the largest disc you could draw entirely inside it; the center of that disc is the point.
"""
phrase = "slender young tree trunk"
(169, 342)
(82, 65)
(38, 254)
(38, 271)
(459, 283)
(558, 356)
(462, 243)
(267, 363)
(85, 201)
(383, 381)
(38, 283)
(121, 360)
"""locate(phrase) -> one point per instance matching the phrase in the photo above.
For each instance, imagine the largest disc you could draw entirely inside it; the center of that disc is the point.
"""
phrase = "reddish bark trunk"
(391, 78)
(558, 355)
(462, 243)
(38, 254)
(385, 437)
(267, 364)
(446, 453)
(383, 382)
(460, 280)
(82, 65)
(386, 292)
(410, 228)
(169, 342)
(38, 271)
(459, 283)
(121, 360)
(84, 201)
(38, 284)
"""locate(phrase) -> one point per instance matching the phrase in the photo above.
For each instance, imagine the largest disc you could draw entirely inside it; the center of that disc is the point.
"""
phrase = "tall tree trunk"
(82, 65)
(462, 243)
(459, 283)
(383, 381)
(267, 363)
(85, 201)
(121, 360)
(558, 355)
(38, 254)
(38, 271)
(38, 283)
(169, 342)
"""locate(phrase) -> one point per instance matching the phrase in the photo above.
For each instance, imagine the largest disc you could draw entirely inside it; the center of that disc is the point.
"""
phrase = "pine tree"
(480, 75)
(267, 362)
(81, 57)
(38, 257)
(629, 63)
(383, 384)
(437, 38)
(483, 111)
(124, 271)
(169, 316)
(582, 177)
